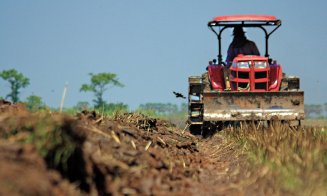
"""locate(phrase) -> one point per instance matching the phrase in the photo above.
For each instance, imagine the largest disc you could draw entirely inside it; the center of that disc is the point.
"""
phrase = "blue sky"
(153, 46)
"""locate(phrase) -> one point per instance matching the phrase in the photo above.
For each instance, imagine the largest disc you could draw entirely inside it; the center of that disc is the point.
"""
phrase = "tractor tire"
(195, 129)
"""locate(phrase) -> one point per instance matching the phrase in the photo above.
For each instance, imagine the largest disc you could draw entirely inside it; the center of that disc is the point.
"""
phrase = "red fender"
(275, 77)
(216, 76)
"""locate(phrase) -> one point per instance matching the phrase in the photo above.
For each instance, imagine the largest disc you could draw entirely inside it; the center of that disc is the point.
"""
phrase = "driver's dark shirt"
(246, 48)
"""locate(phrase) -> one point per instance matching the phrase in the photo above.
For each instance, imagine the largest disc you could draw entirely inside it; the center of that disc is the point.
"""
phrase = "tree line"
(315, 110)
(98, 85)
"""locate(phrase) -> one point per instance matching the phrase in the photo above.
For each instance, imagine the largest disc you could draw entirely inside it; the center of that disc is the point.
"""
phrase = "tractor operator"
(240, 45)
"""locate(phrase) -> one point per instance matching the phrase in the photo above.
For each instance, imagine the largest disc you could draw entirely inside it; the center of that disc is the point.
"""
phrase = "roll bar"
(256, 21)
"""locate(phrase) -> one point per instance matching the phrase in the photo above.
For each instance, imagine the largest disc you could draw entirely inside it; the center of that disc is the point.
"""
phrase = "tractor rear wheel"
(195, 129)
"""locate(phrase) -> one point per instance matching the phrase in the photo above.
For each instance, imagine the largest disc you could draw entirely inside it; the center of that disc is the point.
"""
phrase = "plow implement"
(207, 105)
(234, 106)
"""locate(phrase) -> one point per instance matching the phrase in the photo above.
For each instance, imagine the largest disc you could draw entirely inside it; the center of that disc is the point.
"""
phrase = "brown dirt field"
(129, 154)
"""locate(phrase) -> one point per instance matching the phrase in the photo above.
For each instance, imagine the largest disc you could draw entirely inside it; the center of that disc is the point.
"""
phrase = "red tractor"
(253, 88)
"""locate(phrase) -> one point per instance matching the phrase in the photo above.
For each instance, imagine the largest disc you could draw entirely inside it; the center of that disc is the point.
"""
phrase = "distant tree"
(313, 109)
(111, 107)
(34, 103)
(16, 80)
(325, 108)
(82, 105)
(155, 107)
(99, 84)
(170, 108)
(184, 107)
(160, 108)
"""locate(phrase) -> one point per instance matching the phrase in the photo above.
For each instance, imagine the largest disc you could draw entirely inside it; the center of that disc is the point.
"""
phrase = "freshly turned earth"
(123, 155)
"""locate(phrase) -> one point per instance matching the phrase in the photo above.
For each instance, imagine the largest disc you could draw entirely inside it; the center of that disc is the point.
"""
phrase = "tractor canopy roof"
(250, 20)
(245, 20)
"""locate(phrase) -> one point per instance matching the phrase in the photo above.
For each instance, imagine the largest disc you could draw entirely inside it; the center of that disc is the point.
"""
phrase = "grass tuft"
(296, 158)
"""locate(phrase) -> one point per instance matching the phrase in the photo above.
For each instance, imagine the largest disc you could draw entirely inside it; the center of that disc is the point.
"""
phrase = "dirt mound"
(127, 154)
(24, 172)
(7, 106)
(134, 154)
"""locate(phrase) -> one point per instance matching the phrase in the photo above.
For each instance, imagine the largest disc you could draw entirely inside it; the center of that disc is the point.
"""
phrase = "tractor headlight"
(260, 64)
(243, 65)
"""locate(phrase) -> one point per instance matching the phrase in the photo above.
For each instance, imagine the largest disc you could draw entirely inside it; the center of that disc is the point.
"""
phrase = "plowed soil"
(128, 154)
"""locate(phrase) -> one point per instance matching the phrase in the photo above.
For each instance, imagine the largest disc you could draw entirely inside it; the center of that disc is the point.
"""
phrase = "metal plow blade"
(234, 106)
